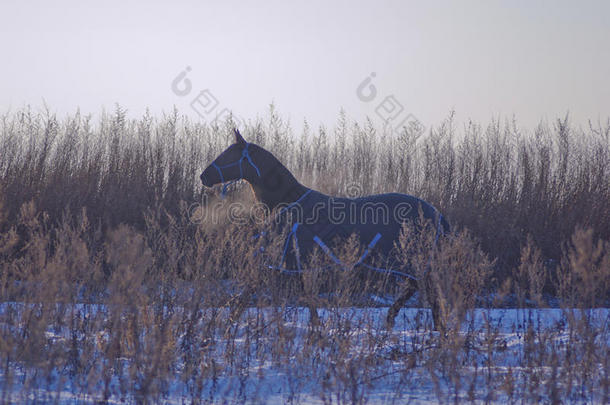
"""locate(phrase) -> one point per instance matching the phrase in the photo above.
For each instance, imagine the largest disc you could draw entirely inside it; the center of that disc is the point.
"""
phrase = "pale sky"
(535, 60)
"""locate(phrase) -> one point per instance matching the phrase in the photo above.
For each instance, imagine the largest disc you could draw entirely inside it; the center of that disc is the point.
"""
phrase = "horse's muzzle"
(205, 181)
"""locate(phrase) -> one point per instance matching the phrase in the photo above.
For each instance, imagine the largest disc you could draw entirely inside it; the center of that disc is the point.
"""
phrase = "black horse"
(317, 220)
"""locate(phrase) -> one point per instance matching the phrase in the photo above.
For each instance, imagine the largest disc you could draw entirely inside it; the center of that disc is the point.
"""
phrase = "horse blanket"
(319, 220)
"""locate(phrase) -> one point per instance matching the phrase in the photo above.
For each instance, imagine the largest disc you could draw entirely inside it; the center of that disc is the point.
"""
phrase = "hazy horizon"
(483, 60)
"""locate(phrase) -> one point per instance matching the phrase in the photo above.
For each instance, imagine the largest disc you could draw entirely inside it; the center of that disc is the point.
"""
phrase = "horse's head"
(233, 164)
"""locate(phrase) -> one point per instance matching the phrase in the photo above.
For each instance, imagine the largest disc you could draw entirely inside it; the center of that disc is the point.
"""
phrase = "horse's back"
(385, 214)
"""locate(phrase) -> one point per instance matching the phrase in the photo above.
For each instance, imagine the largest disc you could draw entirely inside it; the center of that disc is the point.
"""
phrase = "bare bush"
(112, 286)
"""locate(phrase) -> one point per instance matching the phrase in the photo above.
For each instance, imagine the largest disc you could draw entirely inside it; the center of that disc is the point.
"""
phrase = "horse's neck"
(277, 186)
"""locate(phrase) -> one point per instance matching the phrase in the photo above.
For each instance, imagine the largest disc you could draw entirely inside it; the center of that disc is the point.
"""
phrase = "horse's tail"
(445, 227)
(442, 227)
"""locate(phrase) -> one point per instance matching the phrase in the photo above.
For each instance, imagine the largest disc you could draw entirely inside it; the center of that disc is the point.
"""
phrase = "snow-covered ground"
(275, 356)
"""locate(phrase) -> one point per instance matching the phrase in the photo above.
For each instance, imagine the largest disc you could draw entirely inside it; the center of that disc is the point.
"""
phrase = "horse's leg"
(314, 319)
(435, 302)
(439, 326)
(309, 300)
(400, 302)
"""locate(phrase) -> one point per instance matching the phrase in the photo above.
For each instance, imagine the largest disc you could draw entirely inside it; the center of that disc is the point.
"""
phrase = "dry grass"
(110, 288)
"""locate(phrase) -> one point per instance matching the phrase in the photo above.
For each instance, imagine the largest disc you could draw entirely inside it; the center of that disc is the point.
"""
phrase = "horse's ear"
(238, 138)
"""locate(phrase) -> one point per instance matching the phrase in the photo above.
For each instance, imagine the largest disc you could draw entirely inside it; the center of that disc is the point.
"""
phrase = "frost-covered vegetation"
(111, 290)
